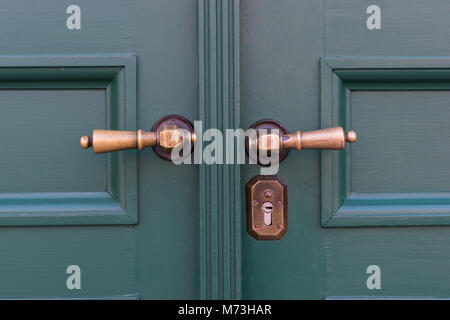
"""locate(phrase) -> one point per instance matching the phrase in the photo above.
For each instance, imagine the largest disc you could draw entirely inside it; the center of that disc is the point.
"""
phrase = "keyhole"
(267, 208)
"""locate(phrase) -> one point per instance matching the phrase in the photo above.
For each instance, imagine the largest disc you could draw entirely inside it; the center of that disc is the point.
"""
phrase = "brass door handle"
(167, 133)
(272, 136)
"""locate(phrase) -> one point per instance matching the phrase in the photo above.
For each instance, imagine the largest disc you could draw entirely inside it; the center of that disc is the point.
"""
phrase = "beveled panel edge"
(338, 205)
(125, 104)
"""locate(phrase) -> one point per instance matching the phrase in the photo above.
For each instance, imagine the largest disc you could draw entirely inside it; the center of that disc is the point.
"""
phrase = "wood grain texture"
(404, 145)
(187, 244)
(157, 258)
(53, 146)
(34, 261)
(167, 236)
(402, 104)
(219, 185)
(279, 80)
(281, 45)
(106, 27)
(45, 93)
(408, 28)
(413, 260)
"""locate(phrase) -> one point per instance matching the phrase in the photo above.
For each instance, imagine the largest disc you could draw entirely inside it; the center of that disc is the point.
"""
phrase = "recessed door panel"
(404, 145)
(369, 221)
(55, 164)
(74, 224)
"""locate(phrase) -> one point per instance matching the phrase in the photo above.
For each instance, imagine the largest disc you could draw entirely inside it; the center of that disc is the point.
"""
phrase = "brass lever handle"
(331, 139)
(281, 141)
(167, 133)
(112, 140)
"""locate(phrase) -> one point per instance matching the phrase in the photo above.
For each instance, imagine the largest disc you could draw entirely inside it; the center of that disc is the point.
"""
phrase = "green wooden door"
(369, 221)
(126, 223)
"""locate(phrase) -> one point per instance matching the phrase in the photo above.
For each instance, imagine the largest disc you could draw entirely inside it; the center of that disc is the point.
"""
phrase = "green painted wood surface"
(57, 85)
(53, 147)
(386, 83)
(34, 261)
(404, 141)
(281, 45)
(228, 63)
(408, 28)
(413, 260)
(219, 184)
(159, 256)
(403, 82)
(167, 237)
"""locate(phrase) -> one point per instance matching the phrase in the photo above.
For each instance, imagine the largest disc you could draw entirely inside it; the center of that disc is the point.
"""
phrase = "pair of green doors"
(368, 221)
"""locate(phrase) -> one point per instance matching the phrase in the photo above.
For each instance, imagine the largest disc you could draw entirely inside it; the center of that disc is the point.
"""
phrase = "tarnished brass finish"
(330, 138)
(266, 199)
(146, 139)
(109, 140)
(169, 135)
(271, 141)
(166, 134)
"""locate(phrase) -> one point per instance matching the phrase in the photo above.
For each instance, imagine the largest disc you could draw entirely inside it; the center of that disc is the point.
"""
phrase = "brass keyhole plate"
(266, 199)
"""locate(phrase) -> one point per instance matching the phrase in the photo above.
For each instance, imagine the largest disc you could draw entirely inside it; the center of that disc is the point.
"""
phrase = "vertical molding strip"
(219, 184)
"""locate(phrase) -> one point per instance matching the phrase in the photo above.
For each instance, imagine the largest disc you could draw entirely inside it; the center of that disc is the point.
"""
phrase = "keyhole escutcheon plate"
(266, 199)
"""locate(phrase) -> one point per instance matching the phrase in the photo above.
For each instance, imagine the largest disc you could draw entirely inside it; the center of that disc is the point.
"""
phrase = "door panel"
(414, 262)
(312, 64)
(31, 80)
(281, 46)
(141, 227)
(407, 190)
(408, 28)
(402, 138)
(52, 169)
(35, 260)
(128, 65)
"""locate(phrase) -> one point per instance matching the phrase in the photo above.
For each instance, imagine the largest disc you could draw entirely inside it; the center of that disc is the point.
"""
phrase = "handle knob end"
(351, 136)
(85, 142)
